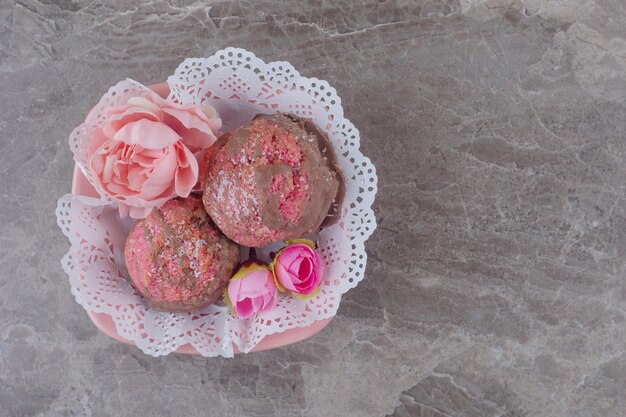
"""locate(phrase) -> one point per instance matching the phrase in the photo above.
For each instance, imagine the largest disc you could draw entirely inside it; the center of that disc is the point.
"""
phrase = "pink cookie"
(272, 179)
(176, 257)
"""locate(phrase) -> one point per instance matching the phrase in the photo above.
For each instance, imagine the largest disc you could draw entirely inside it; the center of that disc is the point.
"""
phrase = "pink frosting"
(298, 268)
(142, 155)
(251, 290)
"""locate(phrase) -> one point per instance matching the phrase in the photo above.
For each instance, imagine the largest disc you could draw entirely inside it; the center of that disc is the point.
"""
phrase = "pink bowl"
(105, 324)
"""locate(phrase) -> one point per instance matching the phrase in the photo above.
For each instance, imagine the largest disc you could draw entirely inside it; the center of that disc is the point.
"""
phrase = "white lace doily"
(239, 85)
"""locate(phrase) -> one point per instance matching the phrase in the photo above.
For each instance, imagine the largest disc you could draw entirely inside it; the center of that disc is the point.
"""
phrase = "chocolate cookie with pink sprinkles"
(176, 257)
(274, 178)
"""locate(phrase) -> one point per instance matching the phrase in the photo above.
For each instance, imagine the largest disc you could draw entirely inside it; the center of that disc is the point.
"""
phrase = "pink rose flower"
(298, 268)
(251, 290)
(142, 154)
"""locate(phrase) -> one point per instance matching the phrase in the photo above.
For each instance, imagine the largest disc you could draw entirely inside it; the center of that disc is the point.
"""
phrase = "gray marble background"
(496, 279)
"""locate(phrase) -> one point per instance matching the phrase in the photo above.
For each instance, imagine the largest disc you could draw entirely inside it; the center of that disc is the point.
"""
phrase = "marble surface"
(496, 280)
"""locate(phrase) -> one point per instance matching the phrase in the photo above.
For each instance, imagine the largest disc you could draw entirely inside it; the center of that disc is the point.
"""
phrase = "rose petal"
(160, 179)
(197, 140)
(288, 255)
(244, 308)
(305, 269)
(107, 171)
(126, 115)
(154, 97)
(257, 303)
(96, 164)
(211, 113)
(195, 131)
(120, 169)
(305, 286)
(145, 103)
(189, 118)
(97, 140)
(253, 283)
(318, 267)
(187, 174)
(295, 265)
(150, 154)
(136, 178)
(233, 290)
(283, 277)
(196, 114)
(269, 300)
(148, 134)
(116, 189)
(123, 209)
(272, 302)
(139, 212)
(270, 284)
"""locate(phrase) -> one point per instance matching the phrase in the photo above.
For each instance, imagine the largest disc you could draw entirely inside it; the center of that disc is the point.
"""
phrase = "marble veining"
(496, 281)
